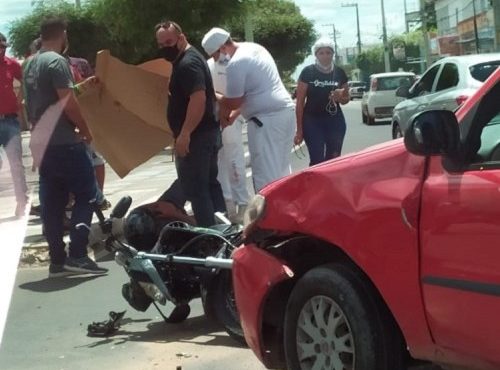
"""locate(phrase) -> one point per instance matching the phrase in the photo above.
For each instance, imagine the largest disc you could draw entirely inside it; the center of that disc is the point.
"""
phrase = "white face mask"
(224, 59)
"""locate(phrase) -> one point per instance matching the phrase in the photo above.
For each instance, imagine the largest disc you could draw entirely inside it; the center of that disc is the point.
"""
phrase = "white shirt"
(252, 74)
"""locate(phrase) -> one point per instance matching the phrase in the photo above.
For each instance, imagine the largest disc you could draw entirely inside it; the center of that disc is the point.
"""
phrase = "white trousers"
(270, 146)
(231, 163)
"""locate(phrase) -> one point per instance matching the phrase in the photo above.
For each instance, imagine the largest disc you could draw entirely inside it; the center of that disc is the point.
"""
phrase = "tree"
(125, 27)
(131, 33)
(281, 28)
(85, 36)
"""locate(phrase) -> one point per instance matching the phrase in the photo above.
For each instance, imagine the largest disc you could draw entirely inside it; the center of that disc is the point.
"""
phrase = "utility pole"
(357, 22)
(406, 20)
(425, 47)
(476, 37)
(78, 4)
(334, 40)
(384, 38)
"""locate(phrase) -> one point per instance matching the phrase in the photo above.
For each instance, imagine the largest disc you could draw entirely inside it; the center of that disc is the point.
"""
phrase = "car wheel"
(396, 131)
(370, 120)
(333, 321)
(363, 116)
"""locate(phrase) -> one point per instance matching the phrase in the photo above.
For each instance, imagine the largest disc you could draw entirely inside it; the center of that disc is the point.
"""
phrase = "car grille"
(384, 110)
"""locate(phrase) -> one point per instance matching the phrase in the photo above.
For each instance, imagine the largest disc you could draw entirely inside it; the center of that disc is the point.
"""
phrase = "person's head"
(53, 34)
(170, 39)
(324, 50)
(35, 45)
(217, 44)
(3, 45)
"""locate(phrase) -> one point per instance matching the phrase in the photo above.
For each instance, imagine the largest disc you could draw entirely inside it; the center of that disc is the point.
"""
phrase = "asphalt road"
(47, 321)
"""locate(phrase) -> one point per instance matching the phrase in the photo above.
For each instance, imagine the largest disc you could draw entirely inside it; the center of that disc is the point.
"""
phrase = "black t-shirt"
(190, 74)
(319, 86)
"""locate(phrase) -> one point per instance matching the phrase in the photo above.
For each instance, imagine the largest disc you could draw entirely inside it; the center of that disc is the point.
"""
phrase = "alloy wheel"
(324, 338)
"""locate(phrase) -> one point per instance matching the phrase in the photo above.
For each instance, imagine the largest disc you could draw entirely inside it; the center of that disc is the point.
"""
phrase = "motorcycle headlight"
(254, 212)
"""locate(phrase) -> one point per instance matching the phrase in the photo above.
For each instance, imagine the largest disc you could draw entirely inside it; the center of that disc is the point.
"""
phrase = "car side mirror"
(434, 132)
(403, 91)
(121, 208)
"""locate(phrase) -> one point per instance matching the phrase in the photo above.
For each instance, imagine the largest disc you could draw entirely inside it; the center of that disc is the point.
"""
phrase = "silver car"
(445, 85)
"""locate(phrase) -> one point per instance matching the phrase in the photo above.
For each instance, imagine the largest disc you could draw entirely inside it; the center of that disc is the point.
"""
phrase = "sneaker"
(84, 265)
(58, 271)
(36, 210)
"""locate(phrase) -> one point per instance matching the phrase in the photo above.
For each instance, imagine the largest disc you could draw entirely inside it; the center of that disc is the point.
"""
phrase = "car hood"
(320, 200)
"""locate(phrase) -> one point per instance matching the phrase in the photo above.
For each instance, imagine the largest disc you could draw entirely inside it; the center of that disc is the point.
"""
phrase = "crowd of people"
(209, 103)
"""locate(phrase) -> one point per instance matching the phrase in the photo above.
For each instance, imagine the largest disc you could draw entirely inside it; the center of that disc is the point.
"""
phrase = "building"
(466, 27)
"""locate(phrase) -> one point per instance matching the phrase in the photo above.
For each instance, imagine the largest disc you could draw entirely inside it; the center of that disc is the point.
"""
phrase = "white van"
(380, 100)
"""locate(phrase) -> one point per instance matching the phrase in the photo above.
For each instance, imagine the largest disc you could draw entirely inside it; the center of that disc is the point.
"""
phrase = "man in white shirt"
(232, 176)
(255, 87)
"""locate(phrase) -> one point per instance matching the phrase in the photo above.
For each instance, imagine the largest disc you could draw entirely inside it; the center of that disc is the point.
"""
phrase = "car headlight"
(253, 213)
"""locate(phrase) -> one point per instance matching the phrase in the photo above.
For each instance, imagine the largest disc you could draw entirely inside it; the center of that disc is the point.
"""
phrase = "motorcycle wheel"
(224, 305)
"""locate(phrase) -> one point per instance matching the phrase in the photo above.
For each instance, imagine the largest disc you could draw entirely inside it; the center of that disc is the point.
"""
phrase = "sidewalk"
(144, 184)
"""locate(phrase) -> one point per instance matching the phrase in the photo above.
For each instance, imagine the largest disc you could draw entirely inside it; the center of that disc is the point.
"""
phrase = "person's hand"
(87, 85)
(336, 95)
(182, 145)
(299, 137)
(233, 116)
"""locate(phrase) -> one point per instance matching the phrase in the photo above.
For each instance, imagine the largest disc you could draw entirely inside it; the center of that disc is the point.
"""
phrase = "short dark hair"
(52, 28)
(2, 37)
(167, 24)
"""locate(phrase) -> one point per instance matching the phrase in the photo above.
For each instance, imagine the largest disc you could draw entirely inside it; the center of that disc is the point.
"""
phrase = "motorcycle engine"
(135, 296)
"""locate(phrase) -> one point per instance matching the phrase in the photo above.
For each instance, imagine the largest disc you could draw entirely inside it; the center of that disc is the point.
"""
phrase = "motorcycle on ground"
(185, 263)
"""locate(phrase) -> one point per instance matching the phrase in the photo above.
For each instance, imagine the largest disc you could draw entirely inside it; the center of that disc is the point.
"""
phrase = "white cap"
(214, 39)
(323, 42)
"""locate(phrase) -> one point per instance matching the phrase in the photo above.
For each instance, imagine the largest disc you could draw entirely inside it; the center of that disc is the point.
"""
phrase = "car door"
(443, 96)
(418, 99)
(460, 242)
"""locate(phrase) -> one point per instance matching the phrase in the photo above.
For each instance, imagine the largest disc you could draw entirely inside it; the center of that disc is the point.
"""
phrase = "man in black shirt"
(191, 116)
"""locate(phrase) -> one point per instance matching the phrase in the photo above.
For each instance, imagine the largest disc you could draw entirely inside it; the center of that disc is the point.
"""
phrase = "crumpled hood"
(329, 196)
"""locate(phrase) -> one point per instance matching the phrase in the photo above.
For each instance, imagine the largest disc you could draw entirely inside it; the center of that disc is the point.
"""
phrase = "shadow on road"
(196, 330)
(8, 219)
(56, 284)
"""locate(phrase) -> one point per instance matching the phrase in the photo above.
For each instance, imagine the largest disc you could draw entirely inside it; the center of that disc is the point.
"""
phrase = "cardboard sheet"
(127, 113)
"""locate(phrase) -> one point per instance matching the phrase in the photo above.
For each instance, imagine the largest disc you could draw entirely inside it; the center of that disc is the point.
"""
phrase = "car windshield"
(357, 84)
(392, 83)
(482, 71)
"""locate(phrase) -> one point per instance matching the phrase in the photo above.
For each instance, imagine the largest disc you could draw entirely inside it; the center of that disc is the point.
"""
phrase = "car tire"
(356, 331)
(363, 115)
(396, 131)
(370, 120)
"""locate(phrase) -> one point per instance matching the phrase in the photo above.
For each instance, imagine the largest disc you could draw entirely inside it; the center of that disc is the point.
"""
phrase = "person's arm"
(73, 112)
(300, 101)
(194, 115)
(341, 95)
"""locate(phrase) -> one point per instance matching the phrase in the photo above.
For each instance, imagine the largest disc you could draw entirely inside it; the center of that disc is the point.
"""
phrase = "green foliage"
(85, 36)
(125, 27)
(281, 28)
(372, 60)
(131, 33)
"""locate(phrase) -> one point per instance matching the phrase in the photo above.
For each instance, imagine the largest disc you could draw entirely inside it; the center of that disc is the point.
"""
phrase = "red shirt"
(10, 69)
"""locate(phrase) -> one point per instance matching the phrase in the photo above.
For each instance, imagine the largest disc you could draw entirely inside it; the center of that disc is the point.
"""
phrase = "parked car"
(379, 101)
(356, 262)
(356, 89)
(445, 85)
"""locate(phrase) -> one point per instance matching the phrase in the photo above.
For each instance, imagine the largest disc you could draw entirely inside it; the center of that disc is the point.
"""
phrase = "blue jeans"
(10, 139)
(324, 136)
(65, 169)
(197, 173)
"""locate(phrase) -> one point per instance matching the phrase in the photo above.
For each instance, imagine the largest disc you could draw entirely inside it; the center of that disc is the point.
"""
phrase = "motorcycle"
(186, 262)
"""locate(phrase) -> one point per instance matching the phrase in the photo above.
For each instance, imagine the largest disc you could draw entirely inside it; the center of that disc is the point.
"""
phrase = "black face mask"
(169, 53)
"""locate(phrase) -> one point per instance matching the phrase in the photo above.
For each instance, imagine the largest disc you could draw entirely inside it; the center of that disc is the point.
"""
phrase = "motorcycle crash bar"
(223, 263)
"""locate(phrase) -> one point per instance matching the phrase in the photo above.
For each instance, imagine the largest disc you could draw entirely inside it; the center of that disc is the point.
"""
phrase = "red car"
(384, 256)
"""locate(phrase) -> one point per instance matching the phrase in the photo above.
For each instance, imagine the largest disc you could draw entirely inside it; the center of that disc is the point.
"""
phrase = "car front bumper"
(255, 273)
